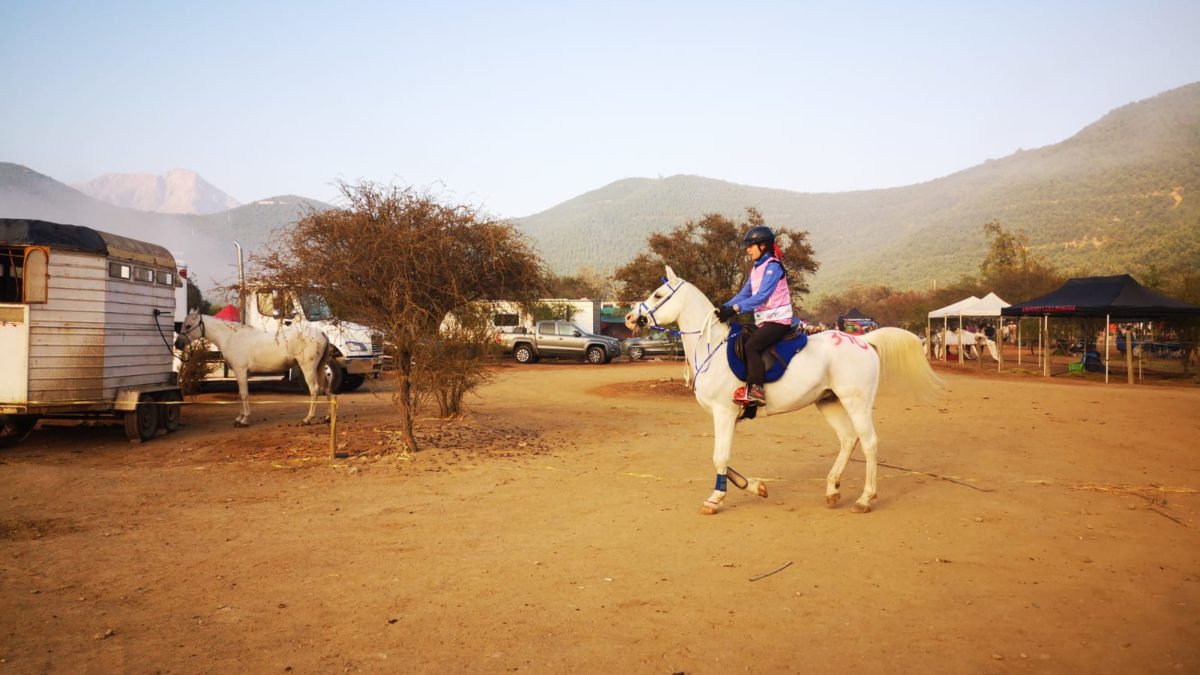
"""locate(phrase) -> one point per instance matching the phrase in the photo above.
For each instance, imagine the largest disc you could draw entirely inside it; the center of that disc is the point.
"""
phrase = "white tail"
(902, 360)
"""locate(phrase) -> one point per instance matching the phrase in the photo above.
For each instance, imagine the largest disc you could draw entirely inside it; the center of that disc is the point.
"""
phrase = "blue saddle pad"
(785, 348)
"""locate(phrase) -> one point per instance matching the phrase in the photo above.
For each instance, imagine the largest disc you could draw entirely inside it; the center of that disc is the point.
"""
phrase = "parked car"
(656, 343)
(558, 339)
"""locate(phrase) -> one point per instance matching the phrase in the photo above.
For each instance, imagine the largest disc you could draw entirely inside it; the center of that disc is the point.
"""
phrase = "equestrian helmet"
(759, 235)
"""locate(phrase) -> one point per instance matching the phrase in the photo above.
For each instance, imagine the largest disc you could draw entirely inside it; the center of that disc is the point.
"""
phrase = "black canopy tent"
(1115, 297)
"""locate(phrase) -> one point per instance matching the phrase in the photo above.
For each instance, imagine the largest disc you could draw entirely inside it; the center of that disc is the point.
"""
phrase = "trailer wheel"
(141, 424)
(171, 414)
(15, 429)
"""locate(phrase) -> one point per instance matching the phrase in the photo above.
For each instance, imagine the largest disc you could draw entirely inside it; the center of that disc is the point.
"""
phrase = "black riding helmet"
(759, 235)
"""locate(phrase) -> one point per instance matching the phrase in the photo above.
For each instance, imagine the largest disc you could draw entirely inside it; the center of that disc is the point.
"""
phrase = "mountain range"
(176, 191)
(205, 242)
(1119, 196)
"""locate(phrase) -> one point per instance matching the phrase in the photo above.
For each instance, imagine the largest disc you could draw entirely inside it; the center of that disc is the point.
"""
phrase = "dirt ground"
(1024, 525)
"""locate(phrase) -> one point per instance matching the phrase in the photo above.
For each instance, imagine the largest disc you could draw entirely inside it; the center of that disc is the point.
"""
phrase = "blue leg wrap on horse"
(720, 482)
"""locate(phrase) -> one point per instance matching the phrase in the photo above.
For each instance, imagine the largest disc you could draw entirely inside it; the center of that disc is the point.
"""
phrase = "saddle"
(775, 359)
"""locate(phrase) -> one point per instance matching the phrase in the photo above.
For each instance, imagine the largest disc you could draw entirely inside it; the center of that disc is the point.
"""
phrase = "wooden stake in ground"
(332, 427)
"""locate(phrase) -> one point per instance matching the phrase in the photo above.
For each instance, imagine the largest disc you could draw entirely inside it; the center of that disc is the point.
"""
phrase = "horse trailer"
(86, 323)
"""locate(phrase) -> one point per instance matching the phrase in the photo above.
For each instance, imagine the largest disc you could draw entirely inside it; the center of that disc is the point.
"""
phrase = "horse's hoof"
(832, 500)
(306, 421)
(762, 490)
(709, 509)
(860, 508)
(240, 424)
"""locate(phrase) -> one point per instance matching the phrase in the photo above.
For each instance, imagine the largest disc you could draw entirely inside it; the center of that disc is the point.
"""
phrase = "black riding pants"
(765, 337)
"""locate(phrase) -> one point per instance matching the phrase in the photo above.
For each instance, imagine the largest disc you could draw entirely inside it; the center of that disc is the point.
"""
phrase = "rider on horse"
(766, 294)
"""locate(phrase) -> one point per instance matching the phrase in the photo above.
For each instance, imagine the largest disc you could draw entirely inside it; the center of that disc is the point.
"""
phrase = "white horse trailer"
(86, 321)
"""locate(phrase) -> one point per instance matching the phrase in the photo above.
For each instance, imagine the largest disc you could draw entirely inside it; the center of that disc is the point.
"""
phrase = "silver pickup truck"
(558, 339)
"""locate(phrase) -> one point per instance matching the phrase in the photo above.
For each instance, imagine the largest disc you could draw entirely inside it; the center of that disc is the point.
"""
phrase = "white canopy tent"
(973, 307)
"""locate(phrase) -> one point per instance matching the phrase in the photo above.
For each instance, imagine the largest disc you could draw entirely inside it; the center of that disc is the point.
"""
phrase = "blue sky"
(519, 106)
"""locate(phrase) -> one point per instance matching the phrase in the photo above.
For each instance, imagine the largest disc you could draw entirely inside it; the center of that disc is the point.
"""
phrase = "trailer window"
(37, 274)
(143, 274)
(12, 274)
(118, 271)
(164, 278)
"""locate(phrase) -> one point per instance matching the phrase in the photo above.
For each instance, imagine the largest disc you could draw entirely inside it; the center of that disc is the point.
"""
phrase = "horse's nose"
(631, 321)
(180, 343)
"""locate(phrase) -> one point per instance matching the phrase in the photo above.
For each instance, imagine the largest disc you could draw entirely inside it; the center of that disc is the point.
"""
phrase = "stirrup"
(740, 397)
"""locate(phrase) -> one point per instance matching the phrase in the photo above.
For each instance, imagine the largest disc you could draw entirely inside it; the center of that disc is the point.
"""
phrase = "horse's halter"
(644, 310)
(188, 333)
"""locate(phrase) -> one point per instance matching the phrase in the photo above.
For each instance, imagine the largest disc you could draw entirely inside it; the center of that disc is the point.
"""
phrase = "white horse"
(972, 343)
(838, 372)
(251, 350)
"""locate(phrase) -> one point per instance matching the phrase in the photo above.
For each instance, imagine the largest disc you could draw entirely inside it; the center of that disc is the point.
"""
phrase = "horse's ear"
(671, 278)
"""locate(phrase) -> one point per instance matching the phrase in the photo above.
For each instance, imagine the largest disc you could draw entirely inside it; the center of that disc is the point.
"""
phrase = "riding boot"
(755, 394)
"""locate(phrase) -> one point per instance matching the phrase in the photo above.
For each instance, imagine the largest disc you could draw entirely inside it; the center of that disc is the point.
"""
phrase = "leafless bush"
(194, 366)
(401, 262)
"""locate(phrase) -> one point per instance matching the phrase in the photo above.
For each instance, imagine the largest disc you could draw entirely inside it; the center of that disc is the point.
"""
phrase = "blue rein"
(698, 366)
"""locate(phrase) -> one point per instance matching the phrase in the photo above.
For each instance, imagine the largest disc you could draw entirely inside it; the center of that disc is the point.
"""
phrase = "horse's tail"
(902, 358)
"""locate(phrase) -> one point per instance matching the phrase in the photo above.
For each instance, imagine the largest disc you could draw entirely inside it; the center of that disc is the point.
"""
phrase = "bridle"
(188, 333)
(645, 310)
(699, 366)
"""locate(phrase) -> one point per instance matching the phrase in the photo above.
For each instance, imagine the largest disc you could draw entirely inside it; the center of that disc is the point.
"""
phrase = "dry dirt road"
(555, 529)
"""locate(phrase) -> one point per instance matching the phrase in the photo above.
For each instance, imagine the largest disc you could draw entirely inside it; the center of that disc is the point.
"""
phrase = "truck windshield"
(315, 308)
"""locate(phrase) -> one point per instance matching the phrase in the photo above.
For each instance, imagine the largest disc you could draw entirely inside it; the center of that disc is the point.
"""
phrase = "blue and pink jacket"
(766, 293)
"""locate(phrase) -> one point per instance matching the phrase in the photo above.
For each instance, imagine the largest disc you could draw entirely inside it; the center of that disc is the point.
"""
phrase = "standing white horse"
(972, 344)
(250, 350)
(838, 372)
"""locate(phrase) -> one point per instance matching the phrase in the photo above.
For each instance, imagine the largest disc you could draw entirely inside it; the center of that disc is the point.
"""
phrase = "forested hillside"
(1119, 196)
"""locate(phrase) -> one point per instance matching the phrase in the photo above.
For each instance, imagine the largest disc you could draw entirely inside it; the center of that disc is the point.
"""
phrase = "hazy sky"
(519, 106)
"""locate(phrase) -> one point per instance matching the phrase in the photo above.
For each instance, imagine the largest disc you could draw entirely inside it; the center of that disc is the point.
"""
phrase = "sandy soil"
(555, 529)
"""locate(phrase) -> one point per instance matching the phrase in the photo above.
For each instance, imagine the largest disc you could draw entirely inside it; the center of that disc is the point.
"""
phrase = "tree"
(709, 254)
(1011, 270)
(402, 262)
(587, 284)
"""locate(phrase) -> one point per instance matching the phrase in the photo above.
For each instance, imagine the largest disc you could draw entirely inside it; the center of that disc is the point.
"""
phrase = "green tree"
(709, 254)
(1011, 270)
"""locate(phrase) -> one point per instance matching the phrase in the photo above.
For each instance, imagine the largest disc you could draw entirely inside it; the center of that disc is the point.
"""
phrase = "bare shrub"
(401, 262)
(194, 366)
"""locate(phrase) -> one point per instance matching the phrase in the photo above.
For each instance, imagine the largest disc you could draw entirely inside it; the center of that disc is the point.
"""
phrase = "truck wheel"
(141, 424)
(16, 428)
(331, 376)
(636, 353)
(171, 414)
(352, 382)
(595, 355)
(524, 354)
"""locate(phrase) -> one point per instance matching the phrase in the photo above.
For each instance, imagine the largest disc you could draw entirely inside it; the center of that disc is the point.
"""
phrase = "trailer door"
(14, 354)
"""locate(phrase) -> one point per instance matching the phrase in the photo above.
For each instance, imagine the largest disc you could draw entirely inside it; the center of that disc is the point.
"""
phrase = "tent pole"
(1000, 345)
(1106, 348)
(945, 332)
(1046, 347)
(960, 341)
(1128, 355)
(1019, 322)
